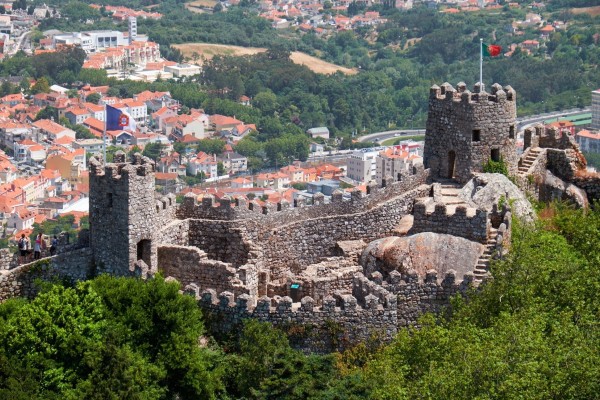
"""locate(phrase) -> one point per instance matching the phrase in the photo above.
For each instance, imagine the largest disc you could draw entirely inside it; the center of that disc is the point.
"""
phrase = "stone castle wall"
(341, 320)
(373, 310)
(302, 243)
(470, 223)
(464, 130)
(191, 265)
(74, 265)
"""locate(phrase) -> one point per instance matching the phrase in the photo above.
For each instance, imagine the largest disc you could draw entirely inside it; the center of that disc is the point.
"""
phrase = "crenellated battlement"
(447, 93)
(239, 208)
(139, 165)
(338, 310)
(460, 220)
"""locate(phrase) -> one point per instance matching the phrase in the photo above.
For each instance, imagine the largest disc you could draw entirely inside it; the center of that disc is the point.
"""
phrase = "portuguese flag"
(491, 50)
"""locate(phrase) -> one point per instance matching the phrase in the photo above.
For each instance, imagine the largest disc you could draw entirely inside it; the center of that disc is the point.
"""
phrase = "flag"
(118, 120)
(491, 50)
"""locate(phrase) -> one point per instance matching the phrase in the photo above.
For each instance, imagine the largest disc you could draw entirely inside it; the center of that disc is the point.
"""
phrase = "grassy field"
(396, 140)
(207, 51)
(593, 11)
(197, 6)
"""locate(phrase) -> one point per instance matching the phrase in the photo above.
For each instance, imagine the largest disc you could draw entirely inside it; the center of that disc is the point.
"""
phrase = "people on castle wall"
(53, 245)
(24, 248)
(37, 247)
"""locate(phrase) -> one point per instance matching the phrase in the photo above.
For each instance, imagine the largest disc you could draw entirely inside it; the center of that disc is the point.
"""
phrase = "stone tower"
(464, 130)
(123, 218)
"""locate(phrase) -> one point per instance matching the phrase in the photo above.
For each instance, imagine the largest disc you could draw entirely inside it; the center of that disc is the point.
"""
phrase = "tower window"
(110, 199)
(476, 135)
(511, 132)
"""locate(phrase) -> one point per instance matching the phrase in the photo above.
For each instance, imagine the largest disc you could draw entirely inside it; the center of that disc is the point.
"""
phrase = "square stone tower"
(123, 216)
(465, 130)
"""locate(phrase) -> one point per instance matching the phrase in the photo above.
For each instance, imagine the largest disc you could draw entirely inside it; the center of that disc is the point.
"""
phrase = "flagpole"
(104, 135)
(481, 63)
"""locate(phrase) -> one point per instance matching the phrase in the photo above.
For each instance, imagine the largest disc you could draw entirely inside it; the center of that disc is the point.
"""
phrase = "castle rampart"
(470, 223)
(21, 281)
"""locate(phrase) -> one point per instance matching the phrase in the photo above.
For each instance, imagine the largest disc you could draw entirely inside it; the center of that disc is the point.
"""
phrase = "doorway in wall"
(144, 251)
(451, 164)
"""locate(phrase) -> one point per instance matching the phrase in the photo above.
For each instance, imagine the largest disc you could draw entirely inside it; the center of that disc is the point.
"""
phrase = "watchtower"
(465, 130)
(122, 217)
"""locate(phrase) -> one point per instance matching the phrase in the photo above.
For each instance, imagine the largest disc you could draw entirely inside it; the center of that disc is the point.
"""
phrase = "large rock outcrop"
(554, 188)
(421, 252)
(485, 190)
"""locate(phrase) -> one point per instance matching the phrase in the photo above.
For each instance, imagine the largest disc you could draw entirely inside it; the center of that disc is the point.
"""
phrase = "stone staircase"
(449, 192)
(483, 263)
(529, 159)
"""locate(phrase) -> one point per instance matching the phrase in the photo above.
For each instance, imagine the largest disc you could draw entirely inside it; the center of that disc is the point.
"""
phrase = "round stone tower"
(467, 129)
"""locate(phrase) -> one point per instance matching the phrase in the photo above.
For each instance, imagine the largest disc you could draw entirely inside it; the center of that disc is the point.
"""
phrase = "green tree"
(41, 86)
(94, 98)
(152, 150)
(211, 146)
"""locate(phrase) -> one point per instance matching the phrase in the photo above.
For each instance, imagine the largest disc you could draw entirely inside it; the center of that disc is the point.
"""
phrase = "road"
(379, 136)
(522, 123)
(19, 43)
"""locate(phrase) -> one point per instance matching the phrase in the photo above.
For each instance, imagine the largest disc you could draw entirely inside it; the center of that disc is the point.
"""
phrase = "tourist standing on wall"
(23, 245)
(53, 245)
(37, 247)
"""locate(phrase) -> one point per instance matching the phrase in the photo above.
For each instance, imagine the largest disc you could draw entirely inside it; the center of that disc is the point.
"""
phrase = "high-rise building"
(132, 29)
(595, 110)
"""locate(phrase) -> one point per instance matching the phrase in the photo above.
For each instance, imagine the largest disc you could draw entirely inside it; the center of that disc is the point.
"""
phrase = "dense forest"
(532, 333)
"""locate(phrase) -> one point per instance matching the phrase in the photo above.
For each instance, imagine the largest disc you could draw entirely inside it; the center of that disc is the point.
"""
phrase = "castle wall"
(221, 240)
(417, 296)
(319, 280)
(285, 213)
(191, 265)
(341, 321)
(303, 243)
(590, 183)
(464, 130)
(469, 223)
(21, 281)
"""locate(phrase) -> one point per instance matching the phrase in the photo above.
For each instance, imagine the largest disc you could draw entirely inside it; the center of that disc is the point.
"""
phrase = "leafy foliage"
(496, 167)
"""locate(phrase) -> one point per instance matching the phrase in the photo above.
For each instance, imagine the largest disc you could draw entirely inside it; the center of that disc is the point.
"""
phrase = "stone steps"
(483, 262)
(528, 161)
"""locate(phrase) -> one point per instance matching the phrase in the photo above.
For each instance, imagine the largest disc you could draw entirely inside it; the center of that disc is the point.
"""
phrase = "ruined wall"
(221, 240)
(564, 163)
(20, 281)
(590, 182)
(469, 223)
(465, 129)
(318, 280)
(191, 265)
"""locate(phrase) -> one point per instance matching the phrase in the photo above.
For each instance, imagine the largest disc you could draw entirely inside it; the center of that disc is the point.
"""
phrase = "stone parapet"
(340, 321)
(470, 223)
